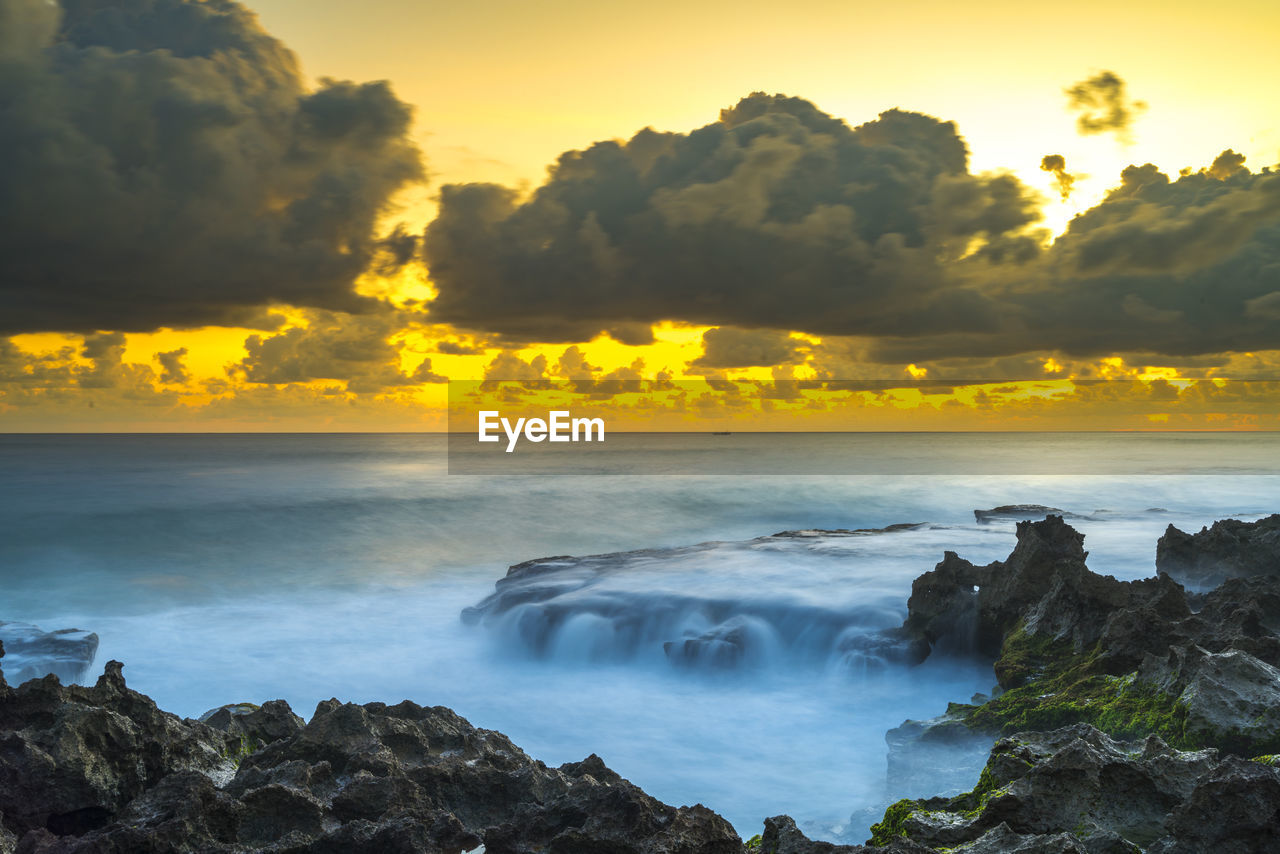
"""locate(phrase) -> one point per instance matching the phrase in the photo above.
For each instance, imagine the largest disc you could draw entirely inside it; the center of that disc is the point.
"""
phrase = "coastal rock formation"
(1016, 513)
(31, 653)
(1076, 789)
(1044, 586)
(1227, 549)
(1085, 662)
(103, 770)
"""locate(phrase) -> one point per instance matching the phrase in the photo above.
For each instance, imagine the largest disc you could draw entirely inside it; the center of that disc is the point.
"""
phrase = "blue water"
(224, 568)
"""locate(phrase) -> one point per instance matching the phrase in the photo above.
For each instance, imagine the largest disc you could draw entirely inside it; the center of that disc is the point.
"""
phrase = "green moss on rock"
(1053, 685)
(893, 825)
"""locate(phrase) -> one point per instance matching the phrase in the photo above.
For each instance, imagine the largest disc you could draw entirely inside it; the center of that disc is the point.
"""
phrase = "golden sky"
(236, 322)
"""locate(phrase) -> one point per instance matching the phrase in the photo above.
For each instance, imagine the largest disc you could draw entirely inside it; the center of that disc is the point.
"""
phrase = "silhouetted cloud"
(1057, 165)
(357, 349)
(1226, 164)
(172, 371)
(163, 163)
(1103, 106)
(776, 216)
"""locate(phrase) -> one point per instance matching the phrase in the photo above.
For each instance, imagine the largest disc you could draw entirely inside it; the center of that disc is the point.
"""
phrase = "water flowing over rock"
(1227, 549)
(103, 770)
(31, 653)
(685, 606)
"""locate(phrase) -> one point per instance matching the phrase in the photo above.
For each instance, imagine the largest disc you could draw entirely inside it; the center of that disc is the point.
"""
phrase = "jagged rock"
(31, 653)
(72, 758)
(1044, 586)
(781, 836)
(1229, 699)
(1077, 789)
(254, 726)
(102, 770)
(1227, 549)
(1235, 809)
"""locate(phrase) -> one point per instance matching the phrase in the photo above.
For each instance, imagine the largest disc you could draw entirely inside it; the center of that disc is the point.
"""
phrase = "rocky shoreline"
(1128, 716)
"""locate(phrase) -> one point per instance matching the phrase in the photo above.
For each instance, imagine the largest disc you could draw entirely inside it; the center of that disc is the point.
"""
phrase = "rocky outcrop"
(1016, 513)
(103, 770)
(31, 653)
(1227, 549)
(811, 533)
(1076, 789)
(1044, 585)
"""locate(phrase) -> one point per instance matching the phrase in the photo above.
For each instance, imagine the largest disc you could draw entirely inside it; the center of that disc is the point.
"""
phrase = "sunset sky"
(288, 215)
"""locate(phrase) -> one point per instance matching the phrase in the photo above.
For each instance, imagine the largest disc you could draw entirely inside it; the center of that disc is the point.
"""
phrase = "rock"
(809, 533)
(1228, 699)
(724, 646)
(103, 770)
(1072, 646)
(1227, 549)
(1044, 585)
(781, 836)
(1076, 789)
(31, 653)
(72, 758)
(1234, 809)
(1016, 513)
(254, 726)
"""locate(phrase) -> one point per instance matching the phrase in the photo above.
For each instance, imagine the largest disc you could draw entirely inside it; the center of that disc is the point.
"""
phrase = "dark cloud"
(1103, 106)
(458, 348)
(171, 368)
(1057, 165)
(1226, 164)
(333, 346)
(779, 217)
(164, 164)
(727, 347)
(776, 216)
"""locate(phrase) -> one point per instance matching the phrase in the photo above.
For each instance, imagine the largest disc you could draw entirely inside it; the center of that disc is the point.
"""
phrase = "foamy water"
(228, 568)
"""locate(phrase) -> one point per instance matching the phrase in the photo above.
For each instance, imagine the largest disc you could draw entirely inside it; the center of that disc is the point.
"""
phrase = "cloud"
(775, 216)
(458, 348)
(1226, 164)
(1103, 106)
(728, 347)
(172, 371)
(333, 346)
(1057, 164)
(164, 164)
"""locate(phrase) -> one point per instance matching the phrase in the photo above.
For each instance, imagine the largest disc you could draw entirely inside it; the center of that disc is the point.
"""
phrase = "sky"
(286, 215)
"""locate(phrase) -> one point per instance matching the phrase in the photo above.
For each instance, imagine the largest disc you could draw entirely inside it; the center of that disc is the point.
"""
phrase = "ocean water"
(226, 568)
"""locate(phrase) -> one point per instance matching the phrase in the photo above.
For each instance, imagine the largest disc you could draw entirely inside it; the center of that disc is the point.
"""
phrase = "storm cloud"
(775, 216)
(162, 163)
(780, 218)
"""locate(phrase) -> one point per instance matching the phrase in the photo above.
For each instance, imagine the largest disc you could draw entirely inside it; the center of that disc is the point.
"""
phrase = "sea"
(227, 568)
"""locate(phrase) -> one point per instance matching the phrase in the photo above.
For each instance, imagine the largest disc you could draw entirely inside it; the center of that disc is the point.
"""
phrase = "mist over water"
(229, 568)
